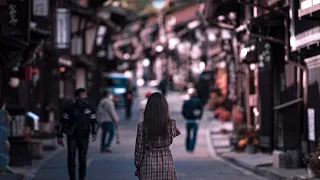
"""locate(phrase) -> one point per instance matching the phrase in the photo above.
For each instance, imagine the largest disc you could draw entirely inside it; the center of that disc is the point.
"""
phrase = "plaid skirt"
(157, 164)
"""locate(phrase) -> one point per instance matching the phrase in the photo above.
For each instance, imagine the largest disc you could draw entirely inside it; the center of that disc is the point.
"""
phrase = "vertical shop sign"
(12, 8)
(15, 19)
(62, 28)
(232, 85)
(41, 8)
(311, 125)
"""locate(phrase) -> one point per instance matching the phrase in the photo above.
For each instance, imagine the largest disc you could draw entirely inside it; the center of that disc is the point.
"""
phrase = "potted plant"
(313, 162)
(249, 141)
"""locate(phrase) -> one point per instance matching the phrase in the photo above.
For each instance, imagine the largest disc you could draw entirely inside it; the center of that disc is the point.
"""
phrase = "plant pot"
(312, 173)
(251, 149)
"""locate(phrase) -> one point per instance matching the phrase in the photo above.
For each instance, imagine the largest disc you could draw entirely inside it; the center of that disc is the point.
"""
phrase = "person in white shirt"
(108, 118)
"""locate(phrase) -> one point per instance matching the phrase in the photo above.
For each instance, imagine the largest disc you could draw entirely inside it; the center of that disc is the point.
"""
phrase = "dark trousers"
(128, 109)
(191, 137)
(107, 127)
(81, 145)
(164, 92)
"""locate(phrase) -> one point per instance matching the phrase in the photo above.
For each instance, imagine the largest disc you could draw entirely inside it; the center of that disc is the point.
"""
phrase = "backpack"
(192, 109)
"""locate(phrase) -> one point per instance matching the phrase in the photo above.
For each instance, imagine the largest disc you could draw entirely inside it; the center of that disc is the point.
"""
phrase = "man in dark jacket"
(78, 121)
(192, 111)
(163, 86)
(128, 97)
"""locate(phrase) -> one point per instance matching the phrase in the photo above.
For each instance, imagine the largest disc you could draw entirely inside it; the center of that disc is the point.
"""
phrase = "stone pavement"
(15, 176)
(119, 165)
(28, 172)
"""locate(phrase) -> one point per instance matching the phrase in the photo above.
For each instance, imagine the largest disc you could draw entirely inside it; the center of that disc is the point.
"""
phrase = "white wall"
(80, 78)
(90, 39)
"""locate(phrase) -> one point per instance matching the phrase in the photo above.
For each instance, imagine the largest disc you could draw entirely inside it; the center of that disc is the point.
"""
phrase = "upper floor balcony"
(309, 8)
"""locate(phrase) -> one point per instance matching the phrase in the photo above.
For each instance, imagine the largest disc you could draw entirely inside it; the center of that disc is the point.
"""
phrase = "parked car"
(116, 84)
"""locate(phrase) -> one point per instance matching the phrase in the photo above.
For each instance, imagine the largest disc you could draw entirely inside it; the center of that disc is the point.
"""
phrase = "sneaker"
(107, 150)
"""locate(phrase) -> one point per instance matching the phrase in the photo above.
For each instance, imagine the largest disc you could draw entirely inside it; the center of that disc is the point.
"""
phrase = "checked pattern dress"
(154, 161)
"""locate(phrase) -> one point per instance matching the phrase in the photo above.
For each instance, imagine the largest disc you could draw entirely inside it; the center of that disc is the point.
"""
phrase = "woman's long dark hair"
(156, 117)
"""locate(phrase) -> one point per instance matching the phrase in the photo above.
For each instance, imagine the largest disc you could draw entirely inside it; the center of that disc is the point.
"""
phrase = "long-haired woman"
(153, 158)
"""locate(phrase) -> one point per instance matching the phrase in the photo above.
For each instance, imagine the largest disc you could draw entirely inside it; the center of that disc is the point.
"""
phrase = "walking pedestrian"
(78, 122)
(152, 157)
(163, 86)
(192, 111)
(128, 100)
(108, 118)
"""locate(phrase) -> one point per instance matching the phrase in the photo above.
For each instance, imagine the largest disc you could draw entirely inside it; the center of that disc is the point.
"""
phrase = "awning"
(177, 6)
(182, 13)
(119, 15)
(93, 16)
(180, 26)
(85, 61)
(14, 48)
(148, 11)
(11, 43)
(133, 28)
(37, 39)
(307, 39)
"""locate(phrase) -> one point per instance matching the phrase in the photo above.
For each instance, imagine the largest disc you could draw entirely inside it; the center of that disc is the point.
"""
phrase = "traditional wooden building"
(270, 67)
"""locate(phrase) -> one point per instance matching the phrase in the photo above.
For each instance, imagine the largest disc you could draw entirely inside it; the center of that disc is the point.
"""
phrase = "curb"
(259, 172)
(12, 176)
(33, 171)
(219, 158)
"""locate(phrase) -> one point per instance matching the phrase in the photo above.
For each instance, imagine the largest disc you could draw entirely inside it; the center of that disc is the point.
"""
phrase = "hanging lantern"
(14, 82)
(62, 28)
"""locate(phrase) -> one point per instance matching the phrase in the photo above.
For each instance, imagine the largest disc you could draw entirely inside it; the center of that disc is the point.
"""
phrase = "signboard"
(63, 61)
(62, 28)
(311, 125)
(15, 19)
(232, 81)
(41, 8)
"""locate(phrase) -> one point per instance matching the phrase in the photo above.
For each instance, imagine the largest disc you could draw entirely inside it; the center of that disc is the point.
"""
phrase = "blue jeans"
(191, 141)
(107, 127)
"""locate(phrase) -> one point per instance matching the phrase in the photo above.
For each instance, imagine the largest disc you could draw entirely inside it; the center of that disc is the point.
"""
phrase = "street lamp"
(126, 56)
(173, 42)
(146, 62)
(222, 64)
(252, 67)
(159, 48)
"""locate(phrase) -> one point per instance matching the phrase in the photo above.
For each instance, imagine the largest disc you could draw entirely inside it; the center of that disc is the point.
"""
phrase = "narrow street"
(119, 164)
(254, 63)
